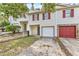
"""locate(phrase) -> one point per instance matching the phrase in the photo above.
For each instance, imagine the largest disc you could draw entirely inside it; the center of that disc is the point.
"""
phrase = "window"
(68, 13)
(46, 16)
(35, 17)
(43, 16)
(49, 15)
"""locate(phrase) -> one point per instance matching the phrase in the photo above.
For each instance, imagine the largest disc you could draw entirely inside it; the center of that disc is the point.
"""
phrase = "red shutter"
(33, 17)
(37, 16)
(64, 13)
(43, 16)
(72, 13)
(49, 15)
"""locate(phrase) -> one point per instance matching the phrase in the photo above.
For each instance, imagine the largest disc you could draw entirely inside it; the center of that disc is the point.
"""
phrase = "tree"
(13, 9)
(48, 7)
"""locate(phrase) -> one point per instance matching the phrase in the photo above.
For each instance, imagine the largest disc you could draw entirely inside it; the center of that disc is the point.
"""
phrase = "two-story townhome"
(64, 22)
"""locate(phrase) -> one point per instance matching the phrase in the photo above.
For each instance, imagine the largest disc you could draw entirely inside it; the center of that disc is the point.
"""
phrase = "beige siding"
(77, 31)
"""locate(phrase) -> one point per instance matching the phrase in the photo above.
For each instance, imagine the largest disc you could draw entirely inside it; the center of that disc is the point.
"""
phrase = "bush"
(4, 23)
(12, 28)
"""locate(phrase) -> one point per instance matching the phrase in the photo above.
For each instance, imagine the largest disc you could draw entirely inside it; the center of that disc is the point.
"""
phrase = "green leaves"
(48, 7)
(12, 28)
(4, 23)
(13, 9)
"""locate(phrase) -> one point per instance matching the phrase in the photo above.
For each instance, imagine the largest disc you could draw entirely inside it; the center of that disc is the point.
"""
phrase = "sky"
(36, 5)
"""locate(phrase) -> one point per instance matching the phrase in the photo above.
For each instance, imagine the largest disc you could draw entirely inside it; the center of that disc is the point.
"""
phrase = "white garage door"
(48, 31)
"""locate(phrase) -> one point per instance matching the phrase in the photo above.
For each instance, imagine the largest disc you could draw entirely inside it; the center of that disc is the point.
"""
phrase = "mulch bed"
(63, 48)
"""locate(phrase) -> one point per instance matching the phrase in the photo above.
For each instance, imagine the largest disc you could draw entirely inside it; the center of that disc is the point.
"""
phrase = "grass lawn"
(14, 47)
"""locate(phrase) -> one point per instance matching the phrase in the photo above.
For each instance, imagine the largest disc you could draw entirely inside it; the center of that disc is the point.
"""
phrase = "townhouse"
(64, 22)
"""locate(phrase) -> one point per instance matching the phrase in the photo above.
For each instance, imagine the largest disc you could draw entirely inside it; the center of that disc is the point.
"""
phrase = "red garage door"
(67, 31)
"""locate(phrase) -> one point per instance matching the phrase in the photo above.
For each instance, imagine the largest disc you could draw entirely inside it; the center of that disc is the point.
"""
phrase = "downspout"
(55, 18)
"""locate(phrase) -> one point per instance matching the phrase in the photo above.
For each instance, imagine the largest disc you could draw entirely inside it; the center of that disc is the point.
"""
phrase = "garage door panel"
(48, 31)
(67, 31)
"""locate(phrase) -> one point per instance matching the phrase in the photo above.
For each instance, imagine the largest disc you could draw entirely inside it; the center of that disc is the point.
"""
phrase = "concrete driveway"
(43, 47)
(72, 45)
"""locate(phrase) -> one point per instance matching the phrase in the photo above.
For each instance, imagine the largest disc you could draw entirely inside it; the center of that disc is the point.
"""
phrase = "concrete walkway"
(43, 47)
(72, 45)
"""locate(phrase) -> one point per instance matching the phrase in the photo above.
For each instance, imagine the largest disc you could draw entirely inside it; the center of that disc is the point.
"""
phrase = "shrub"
(3, 24)
(12, 28)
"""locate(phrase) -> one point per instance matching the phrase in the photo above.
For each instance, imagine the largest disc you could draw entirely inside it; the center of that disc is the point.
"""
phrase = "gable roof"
(68, 4)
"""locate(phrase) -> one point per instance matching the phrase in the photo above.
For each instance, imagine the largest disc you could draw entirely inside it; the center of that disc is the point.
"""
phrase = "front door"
(24, 26)
(38, 30)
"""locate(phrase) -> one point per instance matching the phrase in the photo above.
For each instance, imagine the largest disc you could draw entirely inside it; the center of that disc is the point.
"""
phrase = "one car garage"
(67, 31)
(48, 31)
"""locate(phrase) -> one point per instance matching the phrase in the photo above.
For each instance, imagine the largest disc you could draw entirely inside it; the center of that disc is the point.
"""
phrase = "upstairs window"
(49, 15)
(35, 17)
(46, 16)
(68, 13)
(43, 16)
